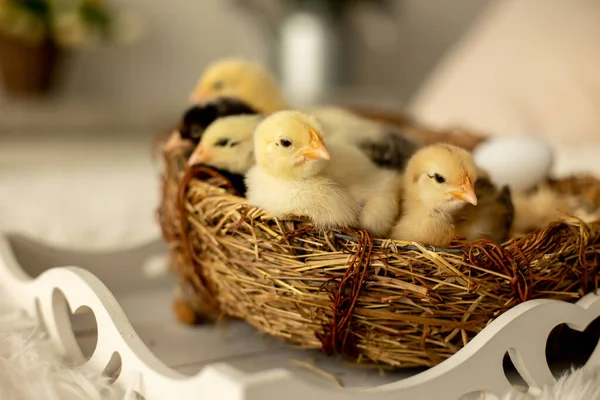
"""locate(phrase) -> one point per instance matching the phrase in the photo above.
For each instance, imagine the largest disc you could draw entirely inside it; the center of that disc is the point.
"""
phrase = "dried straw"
(345, 292)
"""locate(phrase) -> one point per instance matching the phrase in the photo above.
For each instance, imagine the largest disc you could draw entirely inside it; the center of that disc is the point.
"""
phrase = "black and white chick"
(197, 118)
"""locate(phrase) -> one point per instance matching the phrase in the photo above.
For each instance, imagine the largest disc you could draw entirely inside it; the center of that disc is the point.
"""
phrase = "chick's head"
(242, 79)
(197, 118)
(442, 177)
(288, 144)
(227, 144)
(192, 125)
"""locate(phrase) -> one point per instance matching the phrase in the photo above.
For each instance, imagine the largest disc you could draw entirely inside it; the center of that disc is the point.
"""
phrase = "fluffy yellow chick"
(242, 79)
(334, 186)
(197, 118)
(254, 85)
(382, 143)
(227, 144)
(438, 182)
(537, 208)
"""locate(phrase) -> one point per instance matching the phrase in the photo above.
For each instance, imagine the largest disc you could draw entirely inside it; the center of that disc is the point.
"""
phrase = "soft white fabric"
(32, 369)
(580, 384)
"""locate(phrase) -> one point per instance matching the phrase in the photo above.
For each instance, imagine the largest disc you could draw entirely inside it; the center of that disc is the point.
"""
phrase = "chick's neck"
(415, 205)
(294, 172)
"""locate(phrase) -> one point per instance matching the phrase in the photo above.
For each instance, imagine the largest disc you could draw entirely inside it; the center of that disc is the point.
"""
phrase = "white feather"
(576, 384)
(31, 367)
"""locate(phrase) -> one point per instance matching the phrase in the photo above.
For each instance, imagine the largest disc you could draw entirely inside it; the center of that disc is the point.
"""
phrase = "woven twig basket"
(345, 292)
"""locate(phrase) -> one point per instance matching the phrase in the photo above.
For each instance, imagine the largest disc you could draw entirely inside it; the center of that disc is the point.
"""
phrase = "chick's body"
(376, 190)
(242, 79)
(493, 216)
(438, 183)
(433, 228)
(326, 203)
(383, 144)
(341, 188)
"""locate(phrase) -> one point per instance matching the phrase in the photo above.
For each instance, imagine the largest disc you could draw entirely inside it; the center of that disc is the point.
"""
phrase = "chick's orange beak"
(316, 149)
(199, 156)
(466, 192)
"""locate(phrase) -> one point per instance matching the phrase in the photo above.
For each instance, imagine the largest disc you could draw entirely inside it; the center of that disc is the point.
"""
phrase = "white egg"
(519, 162)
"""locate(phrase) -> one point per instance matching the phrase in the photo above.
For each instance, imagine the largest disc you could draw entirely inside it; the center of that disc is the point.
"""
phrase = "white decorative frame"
(522, 331)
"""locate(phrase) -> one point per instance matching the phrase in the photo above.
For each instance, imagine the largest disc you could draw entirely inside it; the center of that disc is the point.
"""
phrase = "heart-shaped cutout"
(568, 347)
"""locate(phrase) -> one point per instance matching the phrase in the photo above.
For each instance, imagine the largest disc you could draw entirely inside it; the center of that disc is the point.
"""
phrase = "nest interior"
(345, 292)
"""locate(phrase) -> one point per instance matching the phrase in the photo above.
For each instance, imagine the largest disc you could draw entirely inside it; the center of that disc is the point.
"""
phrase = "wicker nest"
(345, 292)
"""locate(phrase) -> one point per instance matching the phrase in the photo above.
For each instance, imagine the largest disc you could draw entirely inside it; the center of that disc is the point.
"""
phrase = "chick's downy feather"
(383, 144)
(197, 118)
(287, 178)
(242, 79)
(435, 229)
(326, 203)
(543, 205)
(253, 84)
(227, 146)
(493, 216)
(345, 189)
(376, 190)
(438, 183)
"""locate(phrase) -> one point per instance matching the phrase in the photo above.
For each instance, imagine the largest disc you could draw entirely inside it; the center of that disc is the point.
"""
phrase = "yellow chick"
(197, 118)
(254, 85)
(334, 186)
(438, 182)
(540, 207)
(242, 79)
(382, 143)
(227, 144)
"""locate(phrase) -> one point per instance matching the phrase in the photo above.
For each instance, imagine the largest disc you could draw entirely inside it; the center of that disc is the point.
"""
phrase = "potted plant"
(35, 35)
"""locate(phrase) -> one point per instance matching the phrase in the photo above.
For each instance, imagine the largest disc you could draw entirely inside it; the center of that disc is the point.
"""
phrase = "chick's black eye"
(222, 142)
(285, 142)
(438, 178)
(217, 85)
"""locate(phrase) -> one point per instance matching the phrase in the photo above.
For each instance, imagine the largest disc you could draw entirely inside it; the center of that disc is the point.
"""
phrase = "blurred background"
(85, 85)
(141, 81)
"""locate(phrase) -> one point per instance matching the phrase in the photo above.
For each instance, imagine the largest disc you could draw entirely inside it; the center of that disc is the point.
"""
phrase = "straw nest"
(345, 292)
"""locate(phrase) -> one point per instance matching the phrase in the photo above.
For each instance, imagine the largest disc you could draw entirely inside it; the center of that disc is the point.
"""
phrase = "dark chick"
(236, 180)
(196, 119)
(492, 218)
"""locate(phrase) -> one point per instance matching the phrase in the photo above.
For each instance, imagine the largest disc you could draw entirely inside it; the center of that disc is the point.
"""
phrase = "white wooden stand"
(51, 296)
